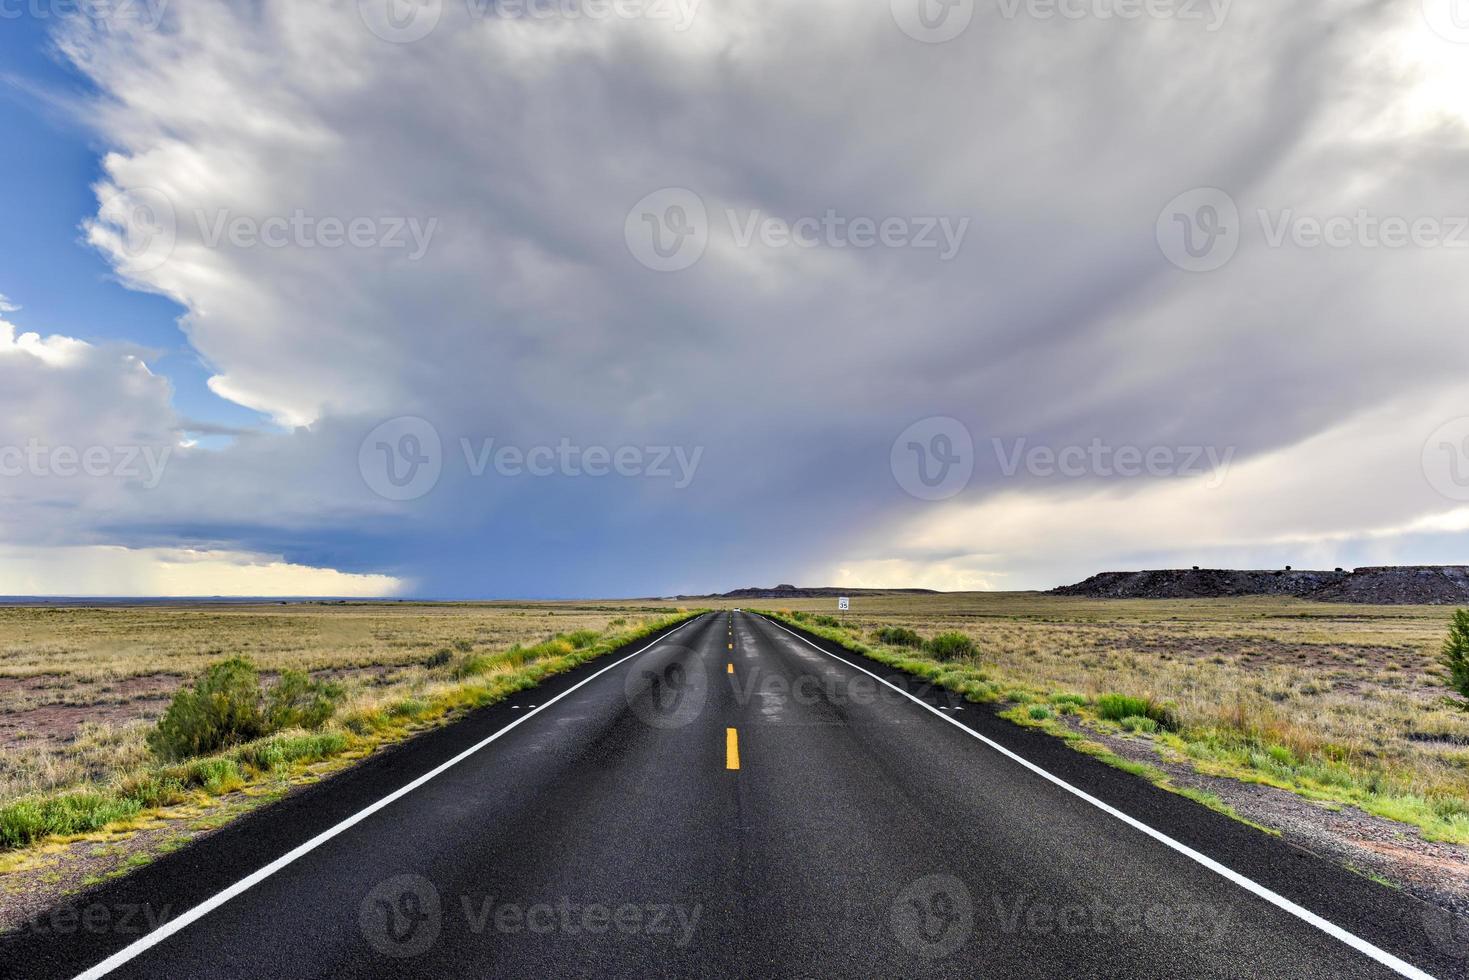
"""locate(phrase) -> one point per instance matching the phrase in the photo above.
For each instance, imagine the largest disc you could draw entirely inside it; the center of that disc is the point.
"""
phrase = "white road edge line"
(1361, 945)
(209, 905)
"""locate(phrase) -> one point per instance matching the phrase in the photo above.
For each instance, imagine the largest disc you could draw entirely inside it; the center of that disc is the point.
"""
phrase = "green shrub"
(222, 709)
(440, 658)
(831, 621)
(1456, 654)
(950, 646)
(1139, 723)
(297, 701)
(1039, 713)
(1076, 700)
(898, 636)
(226, 707)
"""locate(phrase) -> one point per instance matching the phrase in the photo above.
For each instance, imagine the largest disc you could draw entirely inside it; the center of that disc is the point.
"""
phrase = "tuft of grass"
(24, 822)
(581, 639)
(1119, 707)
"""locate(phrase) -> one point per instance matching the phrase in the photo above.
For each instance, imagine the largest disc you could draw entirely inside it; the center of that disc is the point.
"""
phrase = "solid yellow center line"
(731, 749)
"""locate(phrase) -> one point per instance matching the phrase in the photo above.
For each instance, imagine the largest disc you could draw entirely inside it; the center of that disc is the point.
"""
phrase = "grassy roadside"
(1236, 744)
(458, 683)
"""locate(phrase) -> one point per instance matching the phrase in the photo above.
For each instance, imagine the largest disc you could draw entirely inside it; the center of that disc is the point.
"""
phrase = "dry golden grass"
(80, 686)
(1338, 701)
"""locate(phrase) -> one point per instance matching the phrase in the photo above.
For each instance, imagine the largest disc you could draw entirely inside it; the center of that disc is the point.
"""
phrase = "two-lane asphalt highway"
(735, 800)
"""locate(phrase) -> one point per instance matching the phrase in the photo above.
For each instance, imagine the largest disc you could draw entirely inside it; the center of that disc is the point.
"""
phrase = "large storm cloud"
(760, 240)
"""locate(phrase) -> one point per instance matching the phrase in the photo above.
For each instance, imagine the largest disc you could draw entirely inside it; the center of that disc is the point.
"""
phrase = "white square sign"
(843, 604)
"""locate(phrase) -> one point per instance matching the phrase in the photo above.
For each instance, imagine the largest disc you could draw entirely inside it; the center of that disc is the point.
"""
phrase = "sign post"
(843, 604)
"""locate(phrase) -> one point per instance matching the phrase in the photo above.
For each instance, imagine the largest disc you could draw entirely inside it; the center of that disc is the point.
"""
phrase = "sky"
(554, 298)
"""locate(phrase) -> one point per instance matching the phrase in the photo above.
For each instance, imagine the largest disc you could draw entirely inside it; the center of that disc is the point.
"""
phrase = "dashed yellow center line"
(731, 646)
(731, 749)
(731, 668)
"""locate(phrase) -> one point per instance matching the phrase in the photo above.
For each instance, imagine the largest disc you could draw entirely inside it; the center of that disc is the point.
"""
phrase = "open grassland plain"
(83, 794)
(1327, 723)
